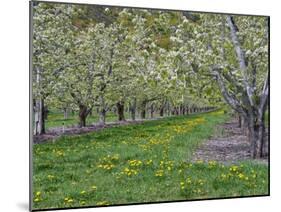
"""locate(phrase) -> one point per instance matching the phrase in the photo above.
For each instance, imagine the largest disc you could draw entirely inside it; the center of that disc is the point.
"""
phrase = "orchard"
(172, 76)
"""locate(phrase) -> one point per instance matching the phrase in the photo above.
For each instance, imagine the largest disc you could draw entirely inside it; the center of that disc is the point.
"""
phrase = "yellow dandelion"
(82, 192)
(159, 173)
(233, 168)
(102, 203)
(126, 170)
(36, 200)
(188, 180)
(223, 176)
(148, 162)
(51, 176)
(201, 182)
(241, 176)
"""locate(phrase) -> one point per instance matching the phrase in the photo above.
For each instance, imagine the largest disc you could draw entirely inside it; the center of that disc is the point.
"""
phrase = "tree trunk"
(162, 108)
(133, 114)
(162, 111)
(39, 121)
(83, 113)
(239, 121)
(120, 110)
(256, 134)
(143, 107)
(183, 110)
(133, 107)
(43, 116)
(102, 115)
(151, 111)
(45, 112)
(65, 113)
(102, 111)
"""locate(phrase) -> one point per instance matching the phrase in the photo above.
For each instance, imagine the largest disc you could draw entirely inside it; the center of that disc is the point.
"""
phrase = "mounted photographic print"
(139, 105)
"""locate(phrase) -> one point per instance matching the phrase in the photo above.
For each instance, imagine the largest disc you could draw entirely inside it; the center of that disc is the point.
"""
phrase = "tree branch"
(228, 98)
(241, 57)
(264, 94)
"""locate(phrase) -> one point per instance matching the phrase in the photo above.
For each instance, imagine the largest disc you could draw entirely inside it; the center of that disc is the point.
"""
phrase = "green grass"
(56, 119)
(139, 163)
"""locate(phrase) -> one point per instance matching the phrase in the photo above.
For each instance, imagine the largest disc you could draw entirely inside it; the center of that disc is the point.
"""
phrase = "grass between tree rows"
(141, 163)
(56, 119)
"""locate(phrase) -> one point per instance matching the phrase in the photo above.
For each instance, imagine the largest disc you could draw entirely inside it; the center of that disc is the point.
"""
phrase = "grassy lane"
(56, 119)
(138, 163)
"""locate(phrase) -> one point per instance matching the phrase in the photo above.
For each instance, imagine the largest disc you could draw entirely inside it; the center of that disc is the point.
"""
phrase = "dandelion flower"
(241, 176)
(36, 200)
(102, 203)
(159, 173)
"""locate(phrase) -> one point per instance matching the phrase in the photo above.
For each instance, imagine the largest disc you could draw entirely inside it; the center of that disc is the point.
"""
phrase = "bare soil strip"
(229, 145)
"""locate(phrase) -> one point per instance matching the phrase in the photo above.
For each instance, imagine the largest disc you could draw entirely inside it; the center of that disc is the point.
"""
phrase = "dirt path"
(229, 145)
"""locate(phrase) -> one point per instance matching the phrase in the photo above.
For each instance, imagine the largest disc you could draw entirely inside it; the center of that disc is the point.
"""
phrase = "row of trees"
(90, 57)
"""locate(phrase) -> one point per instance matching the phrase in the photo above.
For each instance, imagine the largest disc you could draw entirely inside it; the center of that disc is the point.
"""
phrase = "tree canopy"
(98, 57)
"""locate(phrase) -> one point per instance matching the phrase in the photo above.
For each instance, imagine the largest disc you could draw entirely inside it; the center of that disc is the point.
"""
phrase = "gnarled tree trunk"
(83, 113)
(256, 134)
